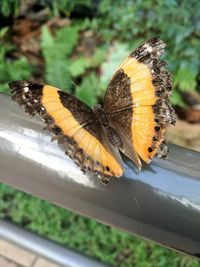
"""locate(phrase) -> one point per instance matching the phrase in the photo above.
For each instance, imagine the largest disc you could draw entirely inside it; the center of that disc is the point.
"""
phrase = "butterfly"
(133, 119)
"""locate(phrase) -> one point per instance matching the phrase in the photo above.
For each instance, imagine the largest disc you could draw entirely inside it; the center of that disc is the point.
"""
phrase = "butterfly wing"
(137, 101)
(73, 123)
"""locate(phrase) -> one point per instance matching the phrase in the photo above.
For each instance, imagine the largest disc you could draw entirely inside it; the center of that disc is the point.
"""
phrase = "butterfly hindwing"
(137, 101)
(73, 123)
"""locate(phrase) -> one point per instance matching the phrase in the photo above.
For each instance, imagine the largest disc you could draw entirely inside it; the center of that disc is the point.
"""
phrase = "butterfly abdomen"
(113, 137)
(103, 118)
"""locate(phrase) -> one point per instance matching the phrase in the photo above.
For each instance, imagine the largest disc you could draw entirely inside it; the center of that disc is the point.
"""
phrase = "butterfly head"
(101, 115)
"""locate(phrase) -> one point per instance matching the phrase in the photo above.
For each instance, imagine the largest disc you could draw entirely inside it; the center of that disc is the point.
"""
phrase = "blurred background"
(76, 46)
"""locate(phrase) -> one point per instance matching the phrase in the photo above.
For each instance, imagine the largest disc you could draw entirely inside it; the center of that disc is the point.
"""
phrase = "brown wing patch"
(72, 123)
(118, 95)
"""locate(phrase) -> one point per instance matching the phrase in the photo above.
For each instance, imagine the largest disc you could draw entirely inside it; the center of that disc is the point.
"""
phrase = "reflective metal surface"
(45, 248)
(161, 203)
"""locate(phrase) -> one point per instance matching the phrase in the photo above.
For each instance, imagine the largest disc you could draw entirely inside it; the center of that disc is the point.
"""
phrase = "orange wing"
(137, 100)
(73, 123)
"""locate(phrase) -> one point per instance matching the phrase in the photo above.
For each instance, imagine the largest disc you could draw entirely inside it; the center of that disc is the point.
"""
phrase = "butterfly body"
(132, 120)
(104, 120)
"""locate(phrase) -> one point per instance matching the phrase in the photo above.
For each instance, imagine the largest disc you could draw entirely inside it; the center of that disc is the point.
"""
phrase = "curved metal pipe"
(45, 248)
(161, 203)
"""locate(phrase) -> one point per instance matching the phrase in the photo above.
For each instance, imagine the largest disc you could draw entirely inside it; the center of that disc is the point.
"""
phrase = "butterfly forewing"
(72, 122)
(137, 101)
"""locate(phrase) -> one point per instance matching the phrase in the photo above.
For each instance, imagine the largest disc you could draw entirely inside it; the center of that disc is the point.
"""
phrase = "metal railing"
(45, 248)
(161, 203)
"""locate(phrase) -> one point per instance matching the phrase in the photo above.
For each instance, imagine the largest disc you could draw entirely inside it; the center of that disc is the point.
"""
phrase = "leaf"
(2, 54)
(186, 76)
(183, 33)
(46, 38)
(98, 57)
(176, 99)
(87, 91)
(3, 32)
(117, 54)
(57, 74)
(14, 67)
(78, 66)
(8, 8)
(56, 51)
(4, 88)
(4, 72)
(9, 71)
(49, 49)
(66, 39)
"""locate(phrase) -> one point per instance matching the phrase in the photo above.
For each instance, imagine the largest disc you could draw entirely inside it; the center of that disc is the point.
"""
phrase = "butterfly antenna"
(98, 81)
(75, 85)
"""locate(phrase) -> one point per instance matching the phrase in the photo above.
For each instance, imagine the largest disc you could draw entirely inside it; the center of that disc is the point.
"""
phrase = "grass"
(87, 236)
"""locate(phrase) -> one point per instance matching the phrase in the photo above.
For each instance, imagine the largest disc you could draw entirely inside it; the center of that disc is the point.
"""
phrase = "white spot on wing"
(149, 49)
(136, 105)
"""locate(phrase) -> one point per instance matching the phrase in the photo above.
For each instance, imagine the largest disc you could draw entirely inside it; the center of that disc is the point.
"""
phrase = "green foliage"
(66, 39)
(87, 91)
(61, 69)
(81, 64)
(11, 7)
(3, 32)
(111, 246)
(118, 52)
(78, 66)
(64, 6)
(177, 23)
(8, 8)
(9, 69)
(176, 99)
(56, 51)
(185, 77)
